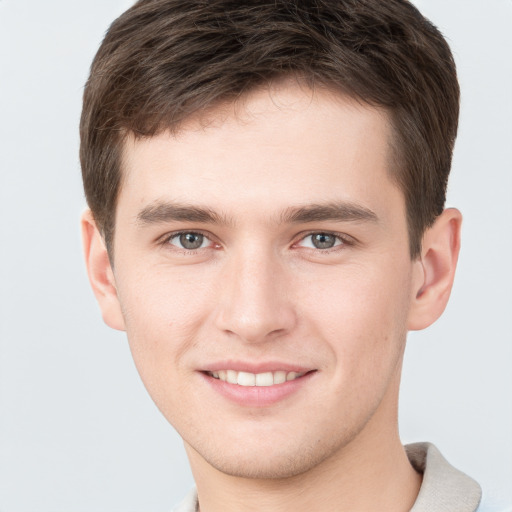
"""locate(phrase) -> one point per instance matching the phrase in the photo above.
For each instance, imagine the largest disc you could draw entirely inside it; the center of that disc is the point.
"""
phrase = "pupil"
(191, 240)
(323, 241)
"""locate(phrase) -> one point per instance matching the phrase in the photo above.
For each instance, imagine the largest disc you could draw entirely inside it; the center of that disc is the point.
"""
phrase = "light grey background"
(77, 431)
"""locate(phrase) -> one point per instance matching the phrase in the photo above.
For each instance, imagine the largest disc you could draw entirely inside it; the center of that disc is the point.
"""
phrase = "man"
(266, 183)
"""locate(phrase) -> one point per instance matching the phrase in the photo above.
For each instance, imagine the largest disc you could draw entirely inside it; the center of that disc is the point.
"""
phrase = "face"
(263, 273)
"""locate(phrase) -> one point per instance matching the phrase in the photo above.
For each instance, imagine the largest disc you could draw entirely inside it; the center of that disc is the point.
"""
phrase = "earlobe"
(435, 270)
(100, 272)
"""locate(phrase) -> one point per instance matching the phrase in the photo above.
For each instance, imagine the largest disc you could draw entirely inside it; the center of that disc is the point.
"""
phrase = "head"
(266, 183)
(164, 61)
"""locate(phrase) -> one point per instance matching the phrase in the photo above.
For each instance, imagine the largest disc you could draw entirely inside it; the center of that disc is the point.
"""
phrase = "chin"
(270, 460)
(265, 467)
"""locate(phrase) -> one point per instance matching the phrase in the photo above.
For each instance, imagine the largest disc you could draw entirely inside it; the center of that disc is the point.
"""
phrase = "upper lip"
(256, 367)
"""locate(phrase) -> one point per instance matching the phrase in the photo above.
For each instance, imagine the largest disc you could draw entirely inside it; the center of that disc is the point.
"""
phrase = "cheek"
(163, 312)
(160, 299)
(362, 314)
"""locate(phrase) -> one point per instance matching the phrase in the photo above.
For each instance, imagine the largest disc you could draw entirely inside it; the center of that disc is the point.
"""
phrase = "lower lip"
(257, 396)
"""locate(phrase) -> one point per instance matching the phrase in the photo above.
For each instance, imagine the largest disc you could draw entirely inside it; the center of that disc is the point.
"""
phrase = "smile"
(255, 379)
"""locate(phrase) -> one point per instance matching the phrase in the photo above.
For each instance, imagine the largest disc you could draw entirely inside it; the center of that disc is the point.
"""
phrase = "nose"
(254, 301)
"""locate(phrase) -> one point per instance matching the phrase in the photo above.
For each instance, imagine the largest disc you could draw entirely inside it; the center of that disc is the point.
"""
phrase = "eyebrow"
(336, 212)
(161, 212)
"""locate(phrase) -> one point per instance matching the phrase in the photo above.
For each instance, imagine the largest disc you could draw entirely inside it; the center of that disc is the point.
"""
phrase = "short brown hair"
(164, 60)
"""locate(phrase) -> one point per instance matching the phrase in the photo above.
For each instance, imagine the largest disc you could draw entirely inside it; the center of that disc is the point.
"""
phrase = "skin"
(258, 291)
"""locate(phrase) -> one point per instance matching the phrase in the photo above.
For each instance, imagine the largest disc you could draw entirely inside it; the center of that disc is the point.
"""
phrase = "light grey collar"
(189, 503)
(444, 488)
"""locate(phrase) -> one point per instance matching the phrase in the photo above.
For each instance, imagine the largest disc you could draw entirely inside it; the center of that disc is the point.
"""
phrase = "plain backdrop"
(77, 430)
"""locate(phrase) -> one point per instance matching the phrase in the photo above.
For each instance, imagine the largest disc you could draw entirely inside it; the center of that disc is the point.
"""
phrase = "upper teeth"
(255, 379)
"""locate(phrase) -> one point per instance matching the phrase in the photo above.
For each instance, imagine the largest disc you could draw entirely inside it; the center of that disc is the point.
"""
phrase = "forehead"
(275, 146)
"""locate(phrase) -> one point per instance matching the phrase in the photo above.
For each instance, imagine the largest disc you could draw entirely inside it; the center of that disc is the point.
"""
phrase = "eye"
(189, 240)
(321, 241)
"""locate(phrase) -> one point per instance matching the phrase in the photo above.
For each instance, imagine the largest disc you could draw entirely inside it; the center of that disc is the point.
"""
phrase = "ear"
(101, 275)
(435, 270)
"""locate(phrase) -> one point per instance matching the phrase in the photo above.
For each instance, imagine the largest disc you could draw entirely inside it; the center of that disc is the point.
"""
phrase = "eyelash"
(167, 239)
(344, 240)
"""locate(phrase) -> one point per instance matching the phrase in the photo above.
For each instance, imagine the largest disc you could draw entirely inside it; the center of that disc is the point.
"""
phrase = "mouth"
(258, 384)
(258, 388)
(248, 379)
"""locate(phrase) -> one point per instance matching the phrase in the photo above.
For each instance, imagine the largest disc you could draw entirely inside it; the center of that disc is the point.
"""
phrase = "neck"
(368, 485)
(372, 472)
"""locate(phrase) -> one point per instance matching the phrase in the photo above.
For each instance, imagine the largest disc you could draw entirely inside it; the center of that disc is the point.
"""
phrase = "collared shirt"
(444, 488)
